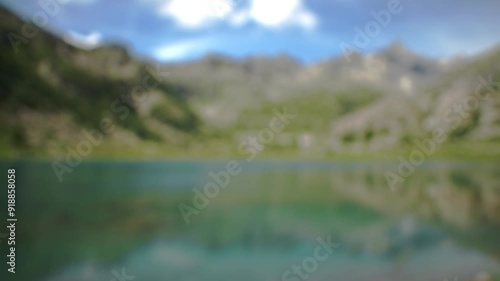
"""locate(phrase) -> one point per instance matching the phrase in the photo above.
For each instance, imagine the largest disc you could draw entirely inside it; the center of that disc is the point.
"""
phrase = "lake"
(273, 221)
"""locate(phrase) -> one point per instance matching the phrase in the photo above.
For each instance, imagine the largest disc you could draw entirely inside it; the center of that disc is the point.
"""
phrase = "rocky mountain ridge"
(52, 92)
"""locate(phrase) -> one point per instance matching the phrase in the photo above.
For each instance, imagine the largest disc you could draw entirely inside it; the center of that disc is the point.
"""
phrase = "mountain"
(383, 101)
(224, 86)
(52, 92)
(55, 95)
(463, 103)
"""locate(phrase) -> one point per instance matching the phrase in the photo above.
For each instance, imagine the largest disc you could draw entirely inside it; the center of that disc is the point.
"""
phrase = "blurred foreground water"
(109, 217)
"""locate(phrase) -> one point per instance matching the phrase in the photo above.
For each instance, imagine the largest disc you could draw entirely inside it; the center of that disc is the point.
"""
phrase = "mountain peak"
(395, 51)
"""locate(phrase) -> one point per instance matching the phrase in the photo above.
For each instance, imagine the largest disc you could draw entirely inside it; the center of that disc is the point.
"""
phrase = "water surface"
(442, 223)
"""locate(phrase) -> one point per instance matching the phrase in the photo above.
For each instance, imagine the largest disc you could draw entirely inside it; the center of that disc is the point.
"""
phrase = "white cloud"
(273, 13)
(306, 20)
(65, 2)
(89, 41)
(280, 13)
(181, 50)
(196, 14)
(238, 18)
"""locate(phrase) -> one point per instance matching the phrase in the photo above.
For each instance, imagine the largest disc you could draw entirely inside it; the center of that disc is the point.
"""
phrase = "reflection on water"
(443, 223)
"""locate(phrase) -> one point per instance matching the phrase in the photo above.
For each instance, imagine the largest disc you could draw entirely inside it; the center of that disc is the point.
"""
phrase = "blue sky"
(176, 30)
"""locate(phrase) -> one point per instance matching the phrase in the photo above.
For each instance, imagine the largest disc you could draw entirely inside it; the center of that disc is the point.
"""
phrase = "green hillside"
(54, 96)
(52, 91)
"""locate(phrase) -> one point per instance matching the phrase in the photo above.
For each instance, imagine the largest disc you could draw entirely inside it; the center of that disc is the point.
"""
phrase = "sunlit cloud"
(309, 30)
(282, 12)
(239, 18)
(196, 14)
(181, 50)
(64, 2)
(89, 41)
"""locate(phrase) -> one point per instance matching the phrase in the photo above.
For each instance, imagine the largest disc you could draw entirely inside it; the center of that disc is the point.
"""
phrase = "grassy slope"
(87, 96)
(67, 87)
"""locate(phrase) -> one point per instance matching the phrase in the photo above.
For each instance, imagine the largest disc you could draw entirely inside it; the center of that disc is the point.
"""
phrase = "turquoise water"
(441, 223)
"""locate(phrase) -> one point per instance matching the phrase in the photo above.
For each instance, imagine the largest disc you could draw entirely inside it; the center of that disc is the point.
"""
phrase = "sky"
(315, 30)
